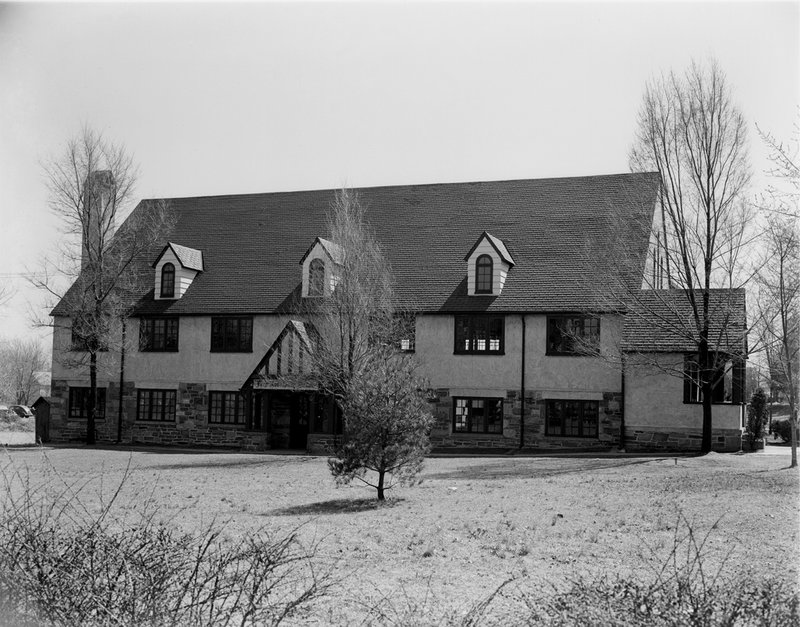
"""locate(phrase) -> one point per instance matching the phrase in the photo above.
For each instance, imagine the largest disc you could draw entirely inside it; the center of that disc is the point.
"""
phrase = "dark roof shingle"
(251, 244)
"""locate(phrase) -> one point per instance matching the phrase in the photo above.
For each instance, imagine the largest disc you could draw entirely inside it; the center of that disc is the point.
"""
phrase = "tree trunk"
(706, 375)
(381, 475)
(90, 421)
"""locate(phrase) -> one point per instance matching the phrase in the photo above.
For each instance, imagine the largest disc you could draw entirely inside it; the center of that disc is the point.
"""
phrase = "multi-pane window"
(727, 381)
(316, 278)
(573, 335)
(477, 415)
(79, 403)
(155, 405)
(226, 408)
(158, 334)
(479, 334)
(577, 419)
(168, 281)
(483, 274)
(232, 334)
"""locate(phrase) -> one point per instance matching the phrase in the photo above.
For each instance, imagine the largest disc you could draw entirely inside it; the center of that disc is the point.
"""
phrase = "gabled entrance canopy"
(288, 364)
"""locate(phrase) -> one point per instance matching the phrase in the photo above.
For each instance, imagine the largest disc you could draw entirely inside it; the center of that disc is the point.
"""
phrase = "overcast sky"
(226, 99)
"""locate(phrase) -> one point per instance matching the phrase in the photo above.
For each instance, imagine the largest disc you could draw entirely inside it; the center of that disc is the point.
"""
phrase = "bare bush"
(63, 562)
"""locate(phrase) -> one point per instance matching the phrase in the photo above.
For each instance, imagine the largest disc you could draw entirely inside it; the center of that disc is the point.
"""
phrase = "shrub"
(757, 416)
(783, 429)
(63, 563)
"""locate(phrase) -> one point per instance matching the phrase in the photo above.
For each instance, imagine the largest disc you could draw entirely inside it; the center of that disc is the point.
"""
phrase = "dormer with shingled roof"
(321, 268)
(175, 269)
(488, 264)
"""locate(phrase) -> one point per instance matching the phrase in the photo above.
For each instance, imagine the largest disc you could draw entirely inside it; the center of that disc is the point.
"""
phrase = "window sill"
(481, 353)
(473, 434)
(154, 422)
(171, 350)
(242, 352)
(715, 403)
(227, 425)
(571, 437)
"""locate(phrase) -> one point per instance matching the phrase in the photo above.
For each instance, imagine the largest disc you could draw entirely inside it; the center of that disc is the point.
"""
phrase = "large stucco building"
(505, 279)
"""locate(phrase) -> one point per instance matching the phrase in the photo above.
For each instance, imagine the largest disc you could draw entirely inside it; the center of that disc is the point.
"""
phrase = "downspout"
(522, 390)
(121, 381)
(622, 405)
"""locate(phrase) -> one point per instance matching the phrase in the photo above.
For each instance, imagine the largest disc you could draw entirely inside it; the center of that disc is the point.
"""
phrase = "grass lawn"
(472, 523)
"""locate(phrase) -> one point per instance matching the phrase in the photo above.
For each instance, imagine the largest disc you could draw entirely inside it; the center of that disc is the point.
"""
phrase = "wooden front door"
(298, 420)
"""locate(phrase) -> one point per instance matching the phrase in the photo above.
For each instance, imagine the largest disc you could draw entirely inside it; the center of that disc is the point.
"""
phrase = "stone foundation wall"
(680, 440)
(534, 424)
(190, 427)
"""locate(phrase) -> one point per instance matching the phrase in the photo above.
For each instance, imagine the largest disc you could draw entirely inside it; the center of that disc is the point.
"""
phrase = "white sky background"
(226, 99)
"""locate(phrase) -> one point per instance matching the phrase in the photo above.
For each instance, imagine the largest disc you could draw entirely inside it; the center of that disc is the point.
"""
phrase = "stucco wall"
(654, 397)
(558, 377)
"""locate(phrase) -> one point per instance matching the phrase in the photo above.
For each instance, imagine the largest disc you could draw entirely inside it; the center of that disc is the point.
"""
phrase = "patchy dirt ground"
(472, 523)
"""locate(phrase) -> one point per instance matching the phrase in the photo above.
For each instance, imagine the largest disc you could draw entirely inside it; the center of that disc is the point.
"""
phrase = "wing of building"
(520, 322)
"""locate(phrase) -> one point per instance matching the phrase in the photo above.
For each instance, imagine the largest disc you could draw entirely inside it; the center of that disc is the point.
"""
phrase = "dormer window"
(488, 264)
(321, 268)
(316, 278)
(483, 275)
(175, 269)
(168, 280)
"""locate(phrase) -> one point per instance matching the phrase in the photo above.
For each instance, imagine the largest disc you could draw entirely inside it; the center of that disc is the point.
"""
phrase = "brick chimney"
(99, 214)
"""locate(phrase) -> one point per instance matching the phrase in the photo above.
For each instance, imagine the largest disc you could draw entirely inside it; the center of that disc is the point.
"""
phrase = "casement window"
(316, 278)
(477, 415)
(168, 281)
(226, 408)
(232, 334)
(484, 272)
(155, 405)
(79, 403)
(158, 335)
(572, 335)
(727, 382)
(575, 419)
(480, 334)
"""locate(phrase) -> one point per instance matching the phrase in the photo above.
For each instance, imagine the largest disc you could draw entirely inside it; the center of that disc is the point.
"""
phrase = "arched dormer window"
(483, 275)
(316, 278)
(168, 281)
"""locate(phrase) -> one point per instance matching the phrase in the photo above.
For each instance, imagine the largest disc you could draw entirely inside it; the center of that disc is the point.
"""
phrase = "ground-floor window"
(477, 415)
(155, 405)
(79, 403)
(226, 408)
(576, 419)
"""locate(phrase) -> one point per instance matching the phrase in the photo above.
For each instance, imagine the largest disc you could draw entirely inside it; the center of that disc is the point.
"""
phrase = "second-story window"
(479, 334)
(168, 281)
(232, 334)
(316, 278)
(158, 335)
(483, 275)
(573, 335)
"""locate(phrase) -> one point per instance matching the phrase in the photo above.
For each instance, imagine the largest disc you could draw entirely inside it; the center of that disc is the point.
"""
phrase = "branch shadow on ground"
(334, 506)
(535, 469)
(240, 463)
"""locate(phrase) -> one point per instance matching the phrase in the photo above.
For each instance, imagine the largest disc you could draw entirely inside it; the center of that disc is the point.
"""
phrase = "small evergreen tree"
(757, 416)
(386, 424)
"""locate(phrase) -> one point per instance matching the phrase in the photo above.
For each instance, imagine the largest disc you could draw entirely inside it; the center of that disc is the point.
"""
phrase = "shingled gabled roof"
(251, 243)
(663, 321)
(187, 257)
(496, 243)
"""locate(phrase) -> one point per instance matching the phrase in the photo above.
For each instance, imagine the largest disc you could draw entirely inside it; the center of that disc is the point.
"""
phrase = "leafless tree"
(690, 131)
(91, 188)
(779, 308)
(359, 360)
(22, 363)
(359, 310)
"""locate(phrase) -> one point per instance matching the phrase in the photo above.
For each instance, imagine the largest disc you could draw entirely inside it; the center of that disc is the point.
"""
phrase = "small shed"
(41, 407)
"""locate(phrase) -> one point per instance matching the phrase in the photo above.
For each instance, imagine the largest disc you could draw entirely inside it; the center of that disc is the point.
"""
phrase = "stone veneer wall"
(534, 427)
(190, 427)
(680, 440)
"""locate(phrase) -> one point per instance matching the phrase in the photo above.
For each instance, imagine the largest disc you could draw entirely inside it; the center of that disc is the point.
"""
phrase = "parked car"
(23, 411)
